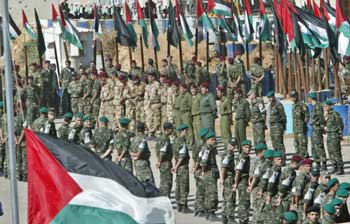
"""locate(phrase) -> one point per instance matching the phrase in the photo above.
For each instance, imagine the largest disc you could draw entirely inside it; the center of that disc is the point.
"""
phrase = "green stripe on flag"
(31, 33)
(143, 26)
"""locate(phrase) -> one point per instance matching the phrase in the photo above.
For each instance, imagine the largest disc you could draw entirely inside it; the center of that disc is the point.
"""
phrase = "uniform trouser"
(271, 213)
(276, 133)
(140, 111)
(143, 172)
(96, 104)
(300, 143)
(240, 131)
(334, 148)
(107, 110)
(31, 112)
(65, 101)
(258, 133)
(257, 89)
(177, 118)
(164, 115)
(126, 163)
(229, 198)
(2, 156)
(186, 118)
(118, 113)
(86, 105)
(153, 117)
(130, 112)
(225, 127)
(21, 162)
(182, 185)
(166, 178)
(257, 204)
(317, 145)
(208, 121)
(211, 190)
(44, 99)
(200, 196)
(244, 201)
(76, 105)
(196, 121)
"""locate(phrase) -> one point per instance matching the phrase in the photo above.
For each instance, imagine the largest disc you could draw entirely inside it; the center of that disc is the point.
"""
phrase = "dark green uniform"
(31, 101)
(74, 133)
(177, 115)
(165, 154)
(278, 123)
(243, 166)
(208, 109)
(257, 71)
(242, 117)
(300, 119)
(85, 136)
(185, 114)
(229, 197)
(63, 131)
(66, 78)
(101, 141)
(21, 152)
(258, 118)
(122, 145)
(196, 116)
(225, 111)
(299, 190)
(200, 187)
(317, 123)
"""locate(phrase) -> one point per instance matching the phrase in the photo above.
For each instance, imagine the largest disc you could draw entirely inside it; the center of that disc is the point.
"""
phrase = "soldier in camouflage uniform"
(328, 214)
(207, 108)
(190, 69)
(317, 123)
(91, 68)
(257, 76)
(130, 102)
(31, 94)
(220, 70)
(225, 112)
(242, 116)
(201, 75)
(310, 189)
(172, 69)
(85, 102)
(74, 131)
(75, 90)
(141, 154)
(235, 75)
(106, 95)
(120, 94)
(86, 133)
(109, 66)
(196, 116)
(49, 127)
(300, 119)
(165, 154)
(332, 187)
(322, 189)
(164, 100)
(63, 131)
(45, 85)
(313, 215)
(39, 123)
(258, 118)
(172, 90)
(3, 137)
(122, 145)
(66, 78)
(176, 103)
(334, 129)
(102, 139)
(135, 70)
(95, 100)
(185, 112)
(241, 182)
(139, 100)
(21, 155)
(182, 158)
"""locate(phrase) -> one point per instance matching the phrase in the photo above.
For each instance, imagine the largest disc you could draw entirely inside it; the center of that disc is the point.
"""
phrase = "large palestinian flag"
(68, 183)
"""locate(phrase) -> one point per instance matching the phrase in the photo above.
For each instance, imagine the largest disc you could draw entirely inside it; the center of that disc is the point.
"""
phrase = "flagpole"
(196, 43)
(297, 74)
(102, 56)
(290, 87)
(336, 81)
(276, 67)
(130, 56)
(65, 50)
(326, 64)
(56, 55)
(95, 49)
(313, 74)
(207, 52)
(319, 79)
(142, 56)
(9, 113)
(116, 50)
(25, 57)
(180, 54)
(247, 55)
(307, 74)
(303, 78)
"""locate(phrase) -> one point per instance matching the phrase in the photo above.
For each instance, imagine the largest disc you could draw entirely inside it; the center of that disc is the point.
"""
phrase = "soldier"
(44, 84)
(239, 62)
(152, 104)
(91, 68)
(182, 158)
(53, 87)
(85, 103)
(322, 189)
(38, 124)
(242, 117)
(109, 66)
(164, 68)
(235, 75)
(106, 95)
(220, 70)
(317, 123)
(190, 69)
(66, 78)
(257, 76)
(75, 130)
(241, 181)
(227, 180)
(313, 215)
(342, 214)
(201, 75)
(95, 100)
(86, 133)
(31, 93)
(196, 118)
(185, 111)
(75, 90)
(165, 155)
(258, 118)
(332, 187)
(176, 102)
(164, 100)
(135, 70)
(172, 74)
(122, 145)
(21, 155)
(310, 189)
(129, 101)
(278, 122)
(3, 138)
(328, 214)
(172, 90)
(63, 131)
(290, 217)
(207, 108)
(151, 68)
(139, 100)
(120, 93)
(141, 155)
(225, 112)
(334, 129)
(101, 141)
(49, 127)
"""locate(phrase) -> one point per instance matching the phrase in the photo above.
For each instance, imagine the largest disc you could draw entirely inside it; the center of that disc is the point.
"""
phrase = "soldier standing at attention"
(86, 133)
(135, 70)
(151, 68)
(44, 83)
(38, 124)
(165, 155)
(118, 102)
(225, 112)
(75, 130)
(278, 122)
(334, 129)
(139, 100)
(164, 100)
(75, 89)
(21, 152)
(95, 100)
(141, 155)
(122, 145)
(242, 117)
(31, 93)
(317, 123)
(85, 103)
(190, 70)
(196, 116)
(101, 141)
(235, 75)
(241, 182)
(207, 108)
(258, 118)
(66, 78)
(182, 158)
(257, 76)
(177, 100)
(107, 94)
(63, 131)
(109, 66)
(185, 112)
(220, 70)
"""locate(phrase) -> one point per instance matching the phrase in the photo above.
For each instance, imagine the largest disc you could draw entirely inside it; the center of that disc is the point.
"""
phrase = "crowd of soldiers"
(116, 114)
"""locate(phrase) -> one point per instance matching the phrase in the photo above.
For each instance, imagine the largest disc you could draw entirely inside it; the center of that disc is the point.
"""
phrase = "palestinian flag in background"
(98, 27)
(329, 13)
(236, 25)
(124, 36)
(13, 29)
(219, 7)
(27, 27)
(182, 22)
(68, 183)
(173, 34)
(343, 28)
(202, 16)
(154, 32)
(142, 23)
(264, 26)
(248, 27)
(41, 42)
(128, 21)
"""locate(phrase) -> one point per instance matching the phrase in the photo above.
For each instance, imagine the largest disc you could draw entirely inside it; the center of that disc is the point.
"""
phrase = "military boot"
(186, 210)
(334, 169)
(324, 166)
(224, 219)
(212, 217)
(179, 207)
(340, 170)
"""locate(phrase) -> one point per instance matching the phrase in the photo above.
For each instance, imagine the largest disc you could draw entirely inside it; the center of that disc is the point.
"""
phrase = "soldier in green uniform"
(75, 91)
(85, 101)
(258, 118)
(74, 131)
(141, 155)
(241, 182)
(207, 108)
(45, 85)
(322, 189)
(185, 112)
(102, 139)
(182, 158)
(122, 144)
(290, 217)
(342, 215)
(257, 76)
(242, 117)
(165, 154)
(313, 215)
(177, 115)
(63, 131)
(21, 155)
(66, 78)
(190, 69)
(278, 122)
(86, 133)
(220, 70)
(317, 123)
(235, 75)
(334, 129)
(38, 124)
(225, 112)
(328, 214)
(310, 190)
(31, 95)
(196, 116)
(3, 138)
(332, 187)
(172, 69)
(200, 74)
(300, 119)
(135, 70)
(95, 95)
(49, 127)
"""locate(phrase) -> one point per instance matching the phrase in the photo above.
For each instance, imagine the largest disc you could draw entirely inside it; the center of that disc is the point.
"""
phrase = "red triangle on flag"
(24, 19)
(339, 15)
(50, 188)
(200, 10)
(54, 13)
(139, 10)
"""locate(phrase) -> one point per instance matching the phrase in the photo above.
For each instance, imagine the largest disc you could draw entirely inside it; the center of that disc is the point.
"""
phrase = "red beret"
(205, 85)
(230, 60)
(93, 72)
(118, 66)
(134, 77)
(221, 89)
(176, 83)
(183, 85)
(238, 91)
(16, 66)
(121, 76)
(102, 74)
(222, 58)
(47, 62)
(346, 57)
(297, 158)
(307, 161)
(194, 58)
(199, 63)
(166, 81)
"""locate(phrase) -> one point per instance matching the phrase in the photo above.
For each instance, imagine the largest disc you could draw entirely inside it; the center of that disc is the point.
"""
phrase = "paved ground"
(180, 218)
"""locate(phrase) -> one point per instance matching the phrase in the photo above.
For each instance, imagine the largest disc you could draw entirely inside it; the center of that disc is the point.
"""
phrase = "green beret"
(271, 94)
(104, 119)
(336, 202)
(328, 102)
(291, 217)
(68, 115)
(342, 193)
(277, 154)
(312, 95)
(345, 185)
(268, 153)
(1, 104)
(332, 182)
(87, 118)
(203, 132)
(246, 142)
(182, 127)
(209, 135)
(124, 120)
(43, 110)
(79, 115)
(329, 208)
(260, 146)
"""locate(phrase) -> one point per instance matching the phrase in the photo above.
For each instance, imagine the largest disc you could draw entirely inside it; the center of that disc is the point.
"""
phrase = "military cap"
(270, 94)
(33, 64)
(121, 76)
(87, 118)
(118, 66)
(277, 154)
(43, 110)
(124, 120)
(290, 217)
(328, 102)
(246, 142)
(16, 66)
(202, 132)
(104, 119)
(222, 58)
(102, 74)
(329, 208)
(199, 63)
(79, 115)
(268, 153)
(336, 202)
(230, 60)
(297, 158)
(166, 81)
(1, 104)
(260, 146)
(342, 192)
(168, 125)
(205, 85)
(315, 172)
(312, 95)
(332, 182)
(150, 61)
(176, 83)
(306, 161)
(313, 209)
(93, 72)
(194, 58)
(140, 126)
(232, 141)
(134, 77)
(221, 89)
(182, 127)
(68, 115)
(345, 185)
(238, 91)
(183, 85)
(210, 135)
